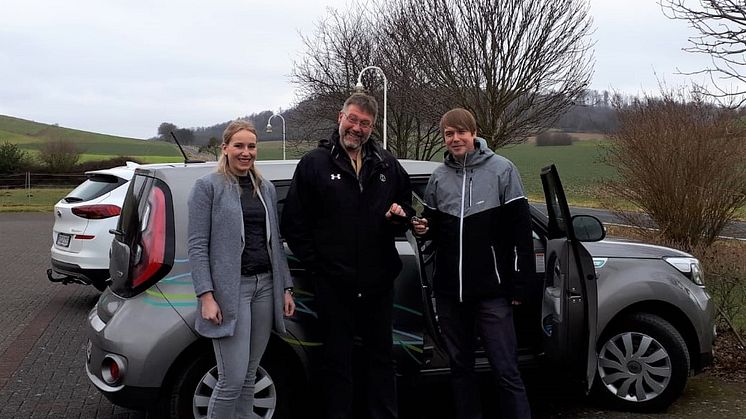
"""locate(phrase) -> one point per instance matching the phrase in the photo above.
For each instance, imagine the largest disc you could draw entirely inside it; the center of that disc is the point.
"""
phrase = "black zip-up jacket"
(335, 223)
(480, 221)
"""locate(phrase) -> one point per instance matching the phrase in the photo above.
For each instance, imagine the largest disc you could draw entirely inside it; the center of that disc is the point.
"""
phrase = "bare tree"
(516, 64)
(681, 160)
(59, 155)
(416, 104)
(346, 42)
(340, 47)
(722, 35)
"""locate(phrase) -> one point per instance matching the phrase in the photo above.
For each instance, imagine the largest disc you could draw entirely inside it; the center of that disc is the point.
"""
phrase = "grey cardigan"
(216, 242)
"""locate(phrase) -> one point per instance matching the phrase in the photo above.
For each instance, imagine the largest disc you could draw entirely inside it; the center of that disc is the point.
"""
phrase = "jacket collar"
(480, 154)
(370, 150)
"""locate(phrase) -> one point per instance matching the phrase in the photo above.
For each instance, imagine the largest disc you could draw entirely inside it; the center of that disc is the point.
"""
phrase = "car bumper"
(136, 398)
(706, 359)
(146, 336)
(65, 270)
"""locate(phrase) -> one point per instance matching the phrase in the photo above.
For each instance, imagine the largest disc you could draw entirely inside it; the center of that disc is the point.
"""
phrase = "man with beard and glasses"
(340, 220)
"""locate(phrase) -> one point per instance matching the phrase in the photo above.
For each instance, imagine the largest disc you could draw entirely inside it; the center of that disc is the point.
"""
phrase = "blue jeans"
(493, 320)
(238, 356)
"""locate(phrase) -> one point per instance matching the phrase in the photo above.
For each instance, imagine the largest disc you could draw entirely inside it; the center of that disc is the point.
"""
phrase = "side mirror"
(588, 228)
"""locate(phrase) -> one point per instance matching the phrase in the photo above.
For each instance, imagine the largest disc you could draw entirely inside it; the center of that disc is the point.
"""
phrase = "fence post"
(28, 188)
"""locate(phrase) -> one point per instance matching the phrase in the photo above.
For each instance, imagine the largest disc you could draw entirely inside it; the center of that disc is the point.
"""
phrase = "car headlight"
(689, 267)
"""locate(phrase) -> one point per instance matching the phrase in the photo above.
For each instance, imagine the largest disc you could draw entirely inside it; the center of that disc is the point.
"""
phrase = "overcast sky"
(124, 66)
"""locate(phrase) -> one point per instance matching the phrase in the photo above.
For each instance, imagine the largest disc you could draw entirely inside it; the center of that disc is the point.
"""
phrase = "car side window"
(282, 187)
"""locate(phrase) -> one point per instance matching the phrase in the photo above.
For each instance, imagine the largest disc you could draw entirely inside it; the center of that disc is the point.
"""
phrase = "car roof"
(281, 169)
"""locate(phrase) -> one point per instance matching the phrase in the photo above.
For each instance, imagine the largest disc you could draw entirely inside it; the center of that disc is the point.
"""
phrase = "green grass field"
(31, 136)
(19, 200)
(580, 165)
(141, 158)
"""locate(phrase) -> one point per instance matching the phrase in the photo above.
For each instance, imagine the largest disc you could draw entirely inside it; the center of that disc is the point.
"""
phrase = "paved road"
(42, 333)
(42, 338)
(734, 229)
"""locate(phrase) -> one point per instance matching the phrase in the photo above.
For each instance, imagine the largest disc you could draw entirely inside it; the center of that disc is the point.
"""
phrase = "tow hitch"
(66, 279)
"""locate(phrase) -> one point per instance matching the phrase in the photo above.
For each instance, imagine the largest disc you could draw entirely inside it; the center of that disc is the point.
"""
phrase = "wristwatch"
(290, 291)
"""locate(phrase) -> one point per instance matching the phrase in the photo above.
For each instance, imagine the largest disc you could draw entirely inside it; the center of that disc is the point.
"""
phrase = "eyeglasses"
(354, 120)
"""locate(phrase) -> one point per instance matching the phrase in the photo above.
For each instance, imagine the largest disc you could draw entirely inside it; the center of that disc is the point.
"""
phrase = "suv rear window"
(95, 186)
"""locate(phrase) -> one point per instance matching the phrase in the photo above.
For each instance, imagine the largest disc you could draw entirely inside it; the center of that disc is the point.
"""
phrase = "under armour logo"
(382, 178)
(336, 176)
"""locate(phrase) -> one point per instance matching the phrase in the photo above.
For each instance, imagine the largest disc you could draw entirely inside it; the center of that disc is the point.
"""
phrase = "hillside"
(30, 136)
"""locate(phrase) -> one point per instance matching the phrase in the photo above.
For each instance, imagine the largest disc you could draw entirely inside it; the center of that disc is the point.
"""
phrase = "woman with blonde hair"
(239, 268)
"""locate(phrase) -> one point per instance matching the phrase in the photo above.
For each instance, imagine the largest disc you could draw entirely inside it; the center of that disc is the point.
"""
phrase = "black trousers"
(344, 314)
(493, 320)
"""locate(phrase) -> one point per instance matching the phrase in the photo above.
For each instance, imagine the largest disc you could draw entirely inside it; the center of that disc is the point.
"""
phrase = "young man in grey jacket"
(478, 216)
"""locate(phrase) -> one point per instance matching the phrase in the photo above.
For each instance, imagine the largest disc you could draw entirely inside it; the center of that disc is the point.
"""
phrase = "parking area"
(42, 340)
(42, 335)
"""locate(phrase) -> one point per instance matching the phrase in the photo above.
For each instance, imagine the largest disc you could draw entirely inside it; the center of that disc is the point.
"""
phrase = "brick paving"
(42, 347)
(42, 331)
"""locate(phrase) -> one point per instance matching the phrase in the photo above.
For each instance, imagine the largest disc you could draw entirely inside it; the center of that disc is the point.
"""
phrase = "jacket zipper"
(470, 190)
(494, 259)
(461, 237)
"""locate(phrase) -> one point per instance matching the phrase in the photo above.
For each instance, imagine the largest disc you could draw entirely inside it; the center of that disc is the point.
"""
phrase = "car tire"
(643, 364)
(191, 391)
(177, 402)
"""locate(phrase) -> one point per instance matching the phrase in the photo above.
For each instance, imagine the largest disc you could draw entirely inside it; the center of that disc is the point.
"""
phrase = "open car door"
(569, 302)
(433, 355)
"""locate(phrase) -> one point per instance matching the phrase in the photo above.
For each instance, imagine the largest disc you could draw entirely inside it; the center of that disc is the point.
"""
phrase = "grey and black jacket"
(480, 221)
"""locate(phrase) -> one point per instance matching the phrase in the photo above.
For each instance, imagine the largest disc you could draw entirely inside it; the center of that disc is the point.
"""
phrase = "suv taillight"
(96, 212)
(152, 247)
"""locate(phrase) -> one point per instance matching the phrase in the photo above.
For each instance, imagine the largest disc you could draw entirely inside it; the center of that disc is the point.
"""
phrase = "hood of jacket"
(480, 154)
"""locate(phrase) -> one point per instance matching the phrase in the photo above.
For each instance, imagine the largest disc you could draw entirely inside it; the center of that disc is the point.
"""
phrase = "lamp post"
(359, 87)
(269, 129)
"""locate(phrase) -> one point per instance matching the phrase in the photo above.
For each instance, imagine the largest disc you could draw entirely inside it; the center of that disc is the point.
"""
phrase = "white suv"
(80, 237)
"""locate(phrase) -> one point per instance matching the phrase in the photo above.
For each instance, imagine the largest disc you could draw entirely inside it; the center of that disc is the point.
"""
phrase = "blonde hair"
(223, 165)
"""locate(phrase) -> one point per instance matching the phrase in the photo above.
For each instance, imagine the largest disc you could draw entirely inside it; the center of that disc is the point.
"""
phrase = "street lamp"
(359, 87)
(269, 129)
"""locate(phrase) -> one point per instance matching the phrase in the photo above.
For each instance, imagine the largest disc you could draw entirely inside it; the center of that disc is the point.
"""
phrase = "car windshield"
(96, 186)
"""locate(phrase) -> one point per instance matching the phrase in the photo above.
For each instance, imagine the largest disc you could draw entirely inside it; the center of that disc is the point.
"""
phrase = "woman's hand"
(289, 306)
(211, 309)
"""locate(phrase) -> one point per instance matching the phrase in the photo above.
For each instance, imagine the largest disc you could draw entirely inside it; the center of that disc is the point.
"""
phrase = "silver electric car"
(628, 321)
